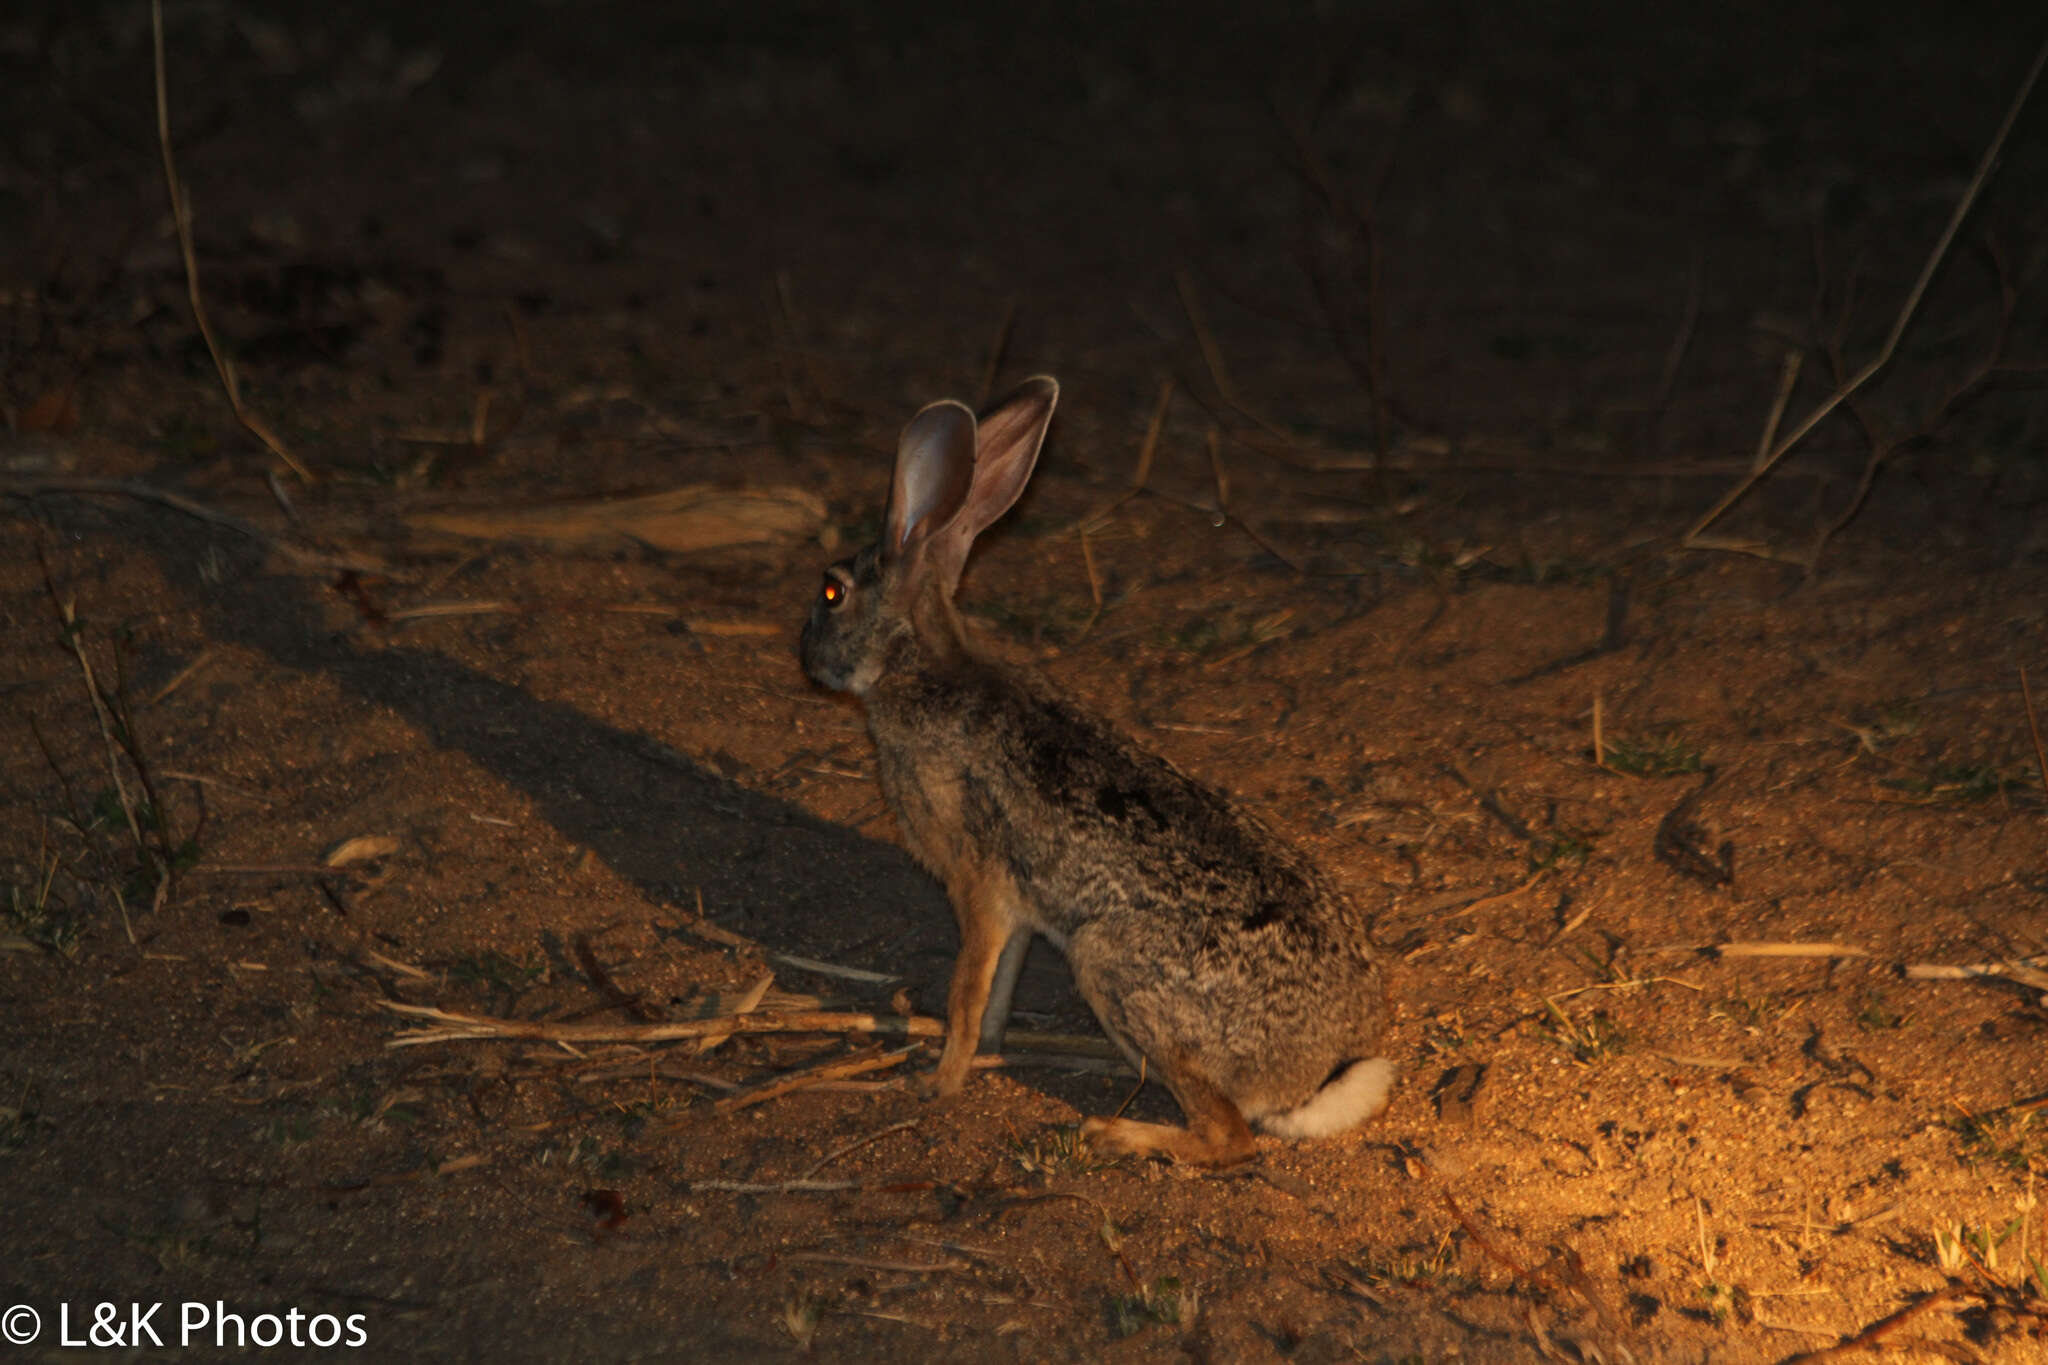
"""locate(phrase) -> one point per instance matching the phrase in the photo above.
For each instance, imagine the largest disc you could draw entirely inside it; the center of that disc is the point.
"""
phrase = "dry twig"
(181, 215)
(1844, 390)
(868, 1059)
(837, 1152)
(443, 1026)
(129, 488)
(1141, 473)
(1879, 1330)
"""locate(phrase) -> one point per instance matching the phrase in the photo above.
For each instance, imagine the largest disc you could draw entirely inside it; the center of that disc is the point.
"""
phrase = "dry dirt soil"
(1452, 324)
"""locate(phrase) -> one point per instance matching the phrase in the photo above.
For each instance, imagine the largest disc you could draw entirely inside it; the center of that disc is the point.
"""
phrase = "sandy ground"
(1431, 334)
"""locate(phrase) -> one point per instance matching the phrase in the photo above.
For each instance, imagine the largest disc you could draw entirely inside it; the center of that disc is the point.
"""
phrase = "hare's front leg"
(985, 907)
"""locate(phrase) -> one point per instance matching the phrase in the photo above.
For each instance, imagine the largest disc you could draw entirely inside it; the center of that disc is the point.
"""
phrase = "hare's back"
(1090, 825)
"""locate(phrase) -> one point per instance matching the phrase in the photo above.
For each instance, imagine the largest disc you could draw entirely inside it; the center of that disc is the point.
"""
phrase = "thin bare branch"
(1899, 324)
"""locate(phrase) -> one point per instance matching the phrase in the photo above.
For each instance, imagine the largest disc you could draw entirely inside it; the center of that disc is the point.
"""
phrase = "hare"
(1215, 955)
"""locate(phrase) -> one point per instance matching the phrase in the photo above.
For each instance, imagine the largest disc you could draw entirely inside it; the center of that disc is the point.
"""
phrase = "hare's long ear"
(934, 472)
(1006, 451)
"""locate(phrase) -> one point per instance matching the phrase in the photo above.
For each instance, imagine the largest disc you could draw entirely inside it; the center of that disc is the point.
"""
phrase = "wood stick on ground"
(444, 1026)
(182, 217)
(869, 1059)
(1855, 382)
(646, 1069)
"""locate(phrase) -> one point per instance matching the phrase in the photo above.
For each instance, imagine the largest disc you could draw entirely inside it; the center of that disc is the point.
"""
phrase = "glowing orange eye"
(834, 591)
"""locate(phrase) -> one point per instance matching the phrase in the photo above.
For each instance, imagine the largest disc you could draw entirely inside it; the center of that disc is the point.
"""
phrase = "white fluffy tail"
(1345, 1101)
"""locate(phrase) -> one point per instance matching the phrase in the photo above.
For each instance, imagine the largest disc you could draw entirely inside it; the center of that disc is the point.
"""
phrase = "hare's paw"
(1132, 1138)
(942, 1082)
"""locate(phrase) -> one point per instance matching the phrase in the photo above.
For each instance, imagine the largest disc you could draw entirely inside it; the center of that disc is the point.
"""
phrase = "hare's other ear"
(934, 471)
(1006, 451)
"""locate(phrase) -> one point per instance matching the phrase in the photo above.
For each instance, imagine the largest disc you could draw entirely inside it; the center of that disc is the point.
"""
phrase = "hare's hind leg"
(1216, 1135)
(995, 1015)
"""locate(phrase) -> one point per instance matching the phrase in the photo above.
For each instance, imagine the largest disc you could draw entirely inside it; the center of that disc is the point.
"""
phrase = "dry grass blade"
(2034, 728)
(179, 679)
(996, 351)
(1094, 585)
(871, 1263)
(748, 1002)
(393, 965)
(837, 1152)
(430, 611)
(1365, 355)
(860, 975)
(1844, 390)
(1764, 948)
(1499, 897)
(151, 852)
(1141, 473)
(1212, 357)
(773, 1186)
(182, 217)
(694, 517)
(1220, 474)
(1788, 379)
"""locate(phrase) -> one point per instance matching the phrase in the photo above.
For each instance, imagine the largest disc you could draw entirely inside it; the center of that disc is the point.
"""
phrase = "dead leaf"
(362, 849)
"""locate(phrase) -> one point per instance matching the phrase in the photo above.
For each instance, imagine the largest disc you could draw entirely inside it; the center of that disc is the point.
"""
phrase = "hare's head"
(893, 602)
